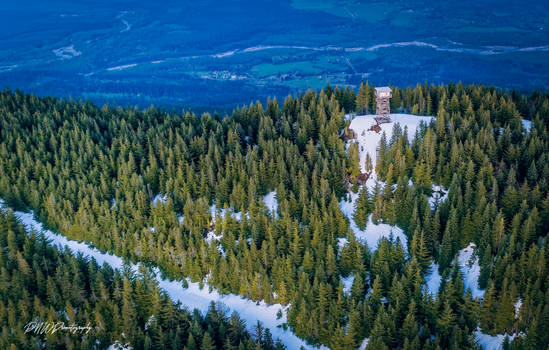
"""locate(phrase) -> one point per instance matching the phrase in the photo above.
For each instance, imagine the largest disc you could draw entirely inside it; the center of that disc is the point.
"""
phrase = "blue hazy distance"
(227, 53)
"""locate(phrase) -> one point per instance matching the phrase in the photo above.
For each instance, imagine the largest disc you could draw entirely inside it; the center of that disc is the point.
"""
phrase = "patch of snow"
(211, 236)
(212, 239)
(518, 305)
(271, 202)
(118, 346)
(369, 140)
(433, 279)
(347, 207)
(372, 233)
(249, 311)
(223, 212)
(159, 198)
(124, 66)
(64, 314)
(221, 250)
(191, 297)
(491, 342)
(440, 194)
(470, 270)
(113, 204)
(238, 216)
(66, 52)
(150, 322)
(342, 242)
(349, 116)
(527, 124)
(499, 129)
(364, 344)
(213, 212)
(180, 219)
(348, 283)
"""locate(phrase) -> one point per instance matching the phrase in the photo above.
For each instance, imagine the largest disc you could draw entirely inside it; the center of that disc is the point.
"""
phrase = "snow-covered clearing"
(211, 236)
(269, 199)
(440, 194)
(527, 124)
(364, 344)
(60, 241)
(191, 297)
(119, 346)
(470, 270)
(491, 342)
(368, 143)
(372, 233)
(433, 279)
(348, 283)
(223, 213)
(271, 202)
(341, 242)
(150, 321)
(250, 311)
(159, 199)
(369, 140)
(518, 305)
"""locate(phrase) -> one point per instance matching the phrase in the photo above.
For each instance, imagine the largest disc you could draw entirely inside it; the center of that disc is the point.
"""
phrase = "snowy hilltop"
(368, 140)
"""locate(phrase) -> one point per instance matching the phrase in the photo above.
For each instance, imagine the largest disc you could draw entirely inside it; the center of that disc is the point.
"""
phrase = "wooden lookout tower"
(383, 106)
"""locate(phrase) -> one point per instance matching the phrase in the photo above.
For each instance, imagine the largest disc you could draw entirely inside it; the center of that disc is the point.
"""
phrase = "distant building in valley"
(383, 106)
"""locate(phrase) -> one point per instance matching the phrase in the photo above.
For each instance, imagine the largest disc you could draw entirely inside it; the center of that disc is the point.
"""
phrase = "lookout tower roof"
(383, 89)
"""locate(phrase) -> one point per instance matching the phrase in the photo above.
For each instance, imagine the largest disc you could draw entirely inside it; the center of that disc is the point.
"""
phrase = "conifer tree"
(363, 98)
(363, 207)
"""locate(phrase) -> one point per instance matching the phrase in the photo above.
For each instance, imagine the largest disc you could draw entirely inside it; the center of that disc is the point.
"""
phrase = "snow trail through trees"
(192, 296)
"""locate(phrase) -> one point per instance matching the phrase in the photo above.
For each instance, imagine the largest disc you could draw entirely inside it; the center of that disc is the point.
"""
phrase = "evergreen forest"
(39, 284)
(95, 174)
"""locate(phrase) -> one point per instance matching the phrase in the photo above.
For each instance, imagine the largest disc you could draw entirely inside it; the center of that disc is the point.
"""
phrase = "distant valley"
(224, 54)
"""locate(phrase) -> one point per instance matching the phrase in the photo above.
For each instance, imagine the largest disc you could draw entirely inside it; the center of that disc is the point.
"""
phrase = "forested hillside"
(42, 288)
(141, 184)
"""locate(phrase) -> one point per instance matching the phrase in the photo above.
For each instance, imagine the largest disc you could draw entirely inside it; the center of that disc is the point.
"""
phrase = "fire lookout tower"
(383, 106)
